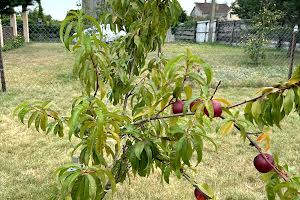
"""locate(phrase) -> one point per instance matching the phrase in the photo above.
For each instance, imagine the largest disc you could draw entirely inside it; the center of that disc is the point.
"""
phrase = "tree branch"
(162, 110)
(161, 117)
(247, 101)
(216, 90)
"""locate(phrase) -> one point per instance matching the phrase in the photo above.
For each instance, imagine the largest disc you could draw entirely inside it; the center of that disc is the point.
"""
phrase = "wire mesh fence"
(42, 32)
(256, 46)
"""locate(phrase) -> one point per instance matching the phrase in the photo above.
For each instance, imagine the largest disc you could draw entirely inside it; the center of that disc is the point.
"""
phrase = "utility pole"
(292, 53)
(212, 18)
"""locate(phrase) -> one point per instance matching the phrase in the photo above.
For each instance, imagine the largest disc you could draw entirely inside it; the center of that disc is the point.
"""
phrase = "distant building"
(90, 6)
(203, 10)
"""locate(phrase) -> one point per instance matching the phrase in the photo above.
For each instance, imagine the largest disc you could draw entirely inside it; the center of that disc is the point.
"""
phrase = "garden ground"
(43, 71)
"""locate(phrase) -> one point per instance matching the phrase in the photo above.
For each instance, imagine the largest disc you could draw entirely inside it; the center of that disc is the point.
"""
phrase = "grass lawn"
(43, 71)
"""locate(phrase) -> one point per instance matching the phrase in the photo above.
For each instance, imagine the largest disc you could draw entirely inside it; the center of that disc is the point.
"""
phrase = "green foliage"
(14, 43)
(121, 122)
(249, 9)
(255, 50)
(7, 6)
(262, 24)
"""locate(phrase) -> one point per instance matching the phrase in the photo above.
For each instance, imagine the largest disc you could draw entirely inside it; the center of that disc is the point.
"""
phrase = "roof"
(206, 8)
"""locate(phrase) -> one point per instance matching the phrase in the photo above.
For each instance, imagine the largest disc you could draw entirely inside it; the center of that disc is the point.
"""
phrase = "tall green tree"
(249, 9)
(7, 6)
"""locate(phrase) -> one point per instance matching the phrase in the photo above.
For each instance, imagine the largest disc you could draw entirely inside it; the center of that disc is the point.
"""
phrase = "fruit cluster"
(178, 107)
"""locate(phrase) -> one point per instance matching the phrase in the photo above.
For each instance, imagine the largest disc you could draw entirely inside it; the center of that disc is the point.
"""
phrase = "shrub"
(14, 43)
(254, 48)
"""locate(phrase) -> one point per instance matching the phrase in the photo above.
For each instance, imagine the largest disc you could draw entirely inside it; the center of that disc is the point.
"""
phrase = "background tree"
(248, 9)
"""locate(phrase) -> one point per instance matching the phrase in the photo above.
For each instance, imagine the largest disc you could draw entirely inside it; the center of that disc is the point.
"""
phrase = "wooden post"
(2, 77)
(13, 24)
(292, 53)
(25, 25)
(211, 23)
(1, 35)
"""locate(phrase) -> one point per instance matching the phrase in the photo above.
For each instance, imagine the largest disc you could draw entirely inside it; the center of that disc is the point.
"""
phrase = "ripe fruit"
(199, 194)
(177, 107)
(217, 109)
(193, 103)
(262, 165)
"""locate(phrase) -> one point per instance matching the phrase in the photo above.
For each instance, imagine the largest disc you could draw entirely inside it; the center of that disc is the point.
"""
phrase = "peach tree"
(138, 113)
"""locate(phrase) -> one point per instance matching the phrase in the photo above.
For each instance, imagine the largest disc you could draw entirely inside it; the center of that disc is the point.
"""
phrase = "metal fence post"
(292, 53)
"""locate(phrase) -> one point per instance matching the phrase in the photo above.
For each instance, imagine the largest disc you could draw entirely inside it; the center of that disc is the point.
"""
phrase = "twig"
(280, 90)
(125, 101)
(162, 110)
(130, 93)
(216, 90)
(161, 117)
(247, 101)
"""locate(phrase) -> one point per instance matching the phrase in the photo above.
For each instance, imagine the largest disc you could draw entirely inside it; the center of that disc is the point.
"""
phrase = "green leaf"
(111, 180)
(209, 107)
(188, 91)
(256, 109)
(44, 121)
(32, 118)
(288, 101)
(138, 149)
(22, 113)
(149, 154)
(226, 128)
(167, 173)
(209, 73)
(67, 35)
(37, 122)
(198, 146)
(60, 130)
(137, 41)
(92, 186)
(186, 151)
(296, 73)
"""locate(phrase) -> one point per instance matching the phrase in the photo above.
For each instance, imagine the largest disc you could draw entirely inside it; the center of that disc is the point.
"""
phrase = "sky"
(58, 8)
